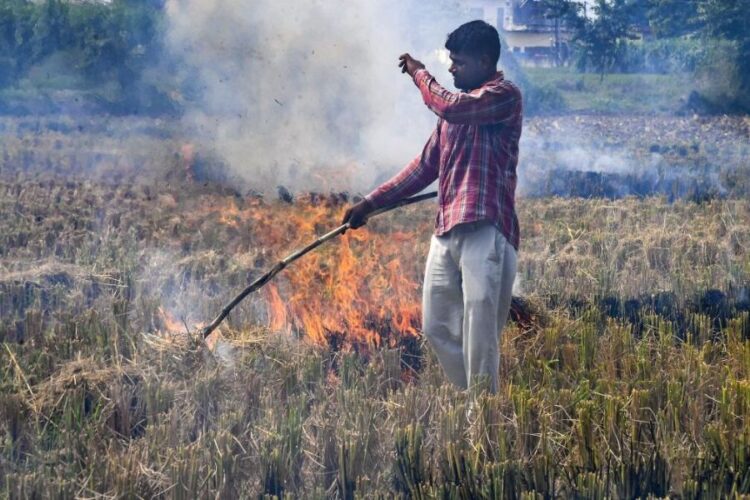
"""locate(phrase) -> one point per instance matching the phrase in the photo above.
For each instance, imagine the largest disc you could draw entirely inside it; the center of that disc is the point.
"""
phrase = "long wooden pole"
(276, 269)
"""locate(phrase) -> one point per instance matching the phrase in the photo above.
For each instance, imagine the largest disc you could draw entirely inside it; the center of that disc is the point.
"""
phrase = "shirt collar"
(496, 78)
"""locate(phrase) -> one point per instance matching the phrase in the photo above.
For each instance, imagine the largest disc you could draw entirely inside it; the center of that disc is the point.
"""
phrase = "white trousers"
(466, 299)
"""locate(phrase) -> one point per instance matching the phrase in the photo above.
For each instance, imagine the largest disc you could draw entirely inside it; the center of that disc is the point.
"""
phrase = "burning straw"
(263, 280)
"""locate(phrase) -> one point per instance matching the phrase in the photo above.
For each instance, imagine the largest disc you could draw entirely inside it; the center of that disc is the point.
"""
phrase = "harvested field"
(633, 381)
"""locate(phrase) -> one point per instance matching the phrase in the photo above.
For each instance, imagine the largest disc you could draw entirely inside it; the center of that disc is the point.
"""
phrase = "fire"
(171, 328)
(277, 311)
(360, 289)
(170, 324)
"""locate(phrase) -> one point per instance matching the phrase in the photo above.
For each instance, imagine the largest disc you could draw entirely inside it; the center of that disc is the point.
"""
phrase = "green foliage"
(616, 93)
(562, 12)
(602, 40)
(673, 18)
(17, 19)
(538, 98)
(543, 99)
(51, 29)
(673, 36)
(730, 19)
(112, 45)
(116, 39)
(669, 55)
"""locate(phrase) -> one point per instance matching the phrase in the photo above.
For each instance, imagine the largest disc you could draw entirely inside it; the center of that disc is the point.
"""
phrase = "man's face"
(469, 72)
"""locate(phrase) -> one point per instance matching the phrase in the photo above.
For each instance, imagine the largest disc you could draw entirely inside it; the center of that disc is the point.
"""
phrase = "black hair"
(475, 38)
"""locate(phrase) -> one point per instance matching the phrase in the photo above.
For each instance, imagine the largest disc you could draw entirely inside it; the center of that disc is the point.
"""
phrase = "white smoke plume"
(309, 94)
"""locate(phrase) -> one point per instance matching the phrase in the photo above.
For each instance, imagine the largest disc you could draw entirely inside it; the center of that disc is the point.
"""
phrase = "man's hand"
(356, 215)
(409, 65)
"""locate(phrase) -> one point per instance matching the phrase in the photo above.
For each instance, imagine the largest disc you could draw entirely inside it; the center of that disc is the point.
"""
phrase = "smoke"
(308, 94)
(547, 152)
(613, 157)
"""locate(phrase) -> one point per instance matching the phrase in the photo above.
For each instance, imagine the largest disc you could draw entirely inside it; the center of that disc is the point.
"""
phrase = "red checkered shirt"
(473, 152)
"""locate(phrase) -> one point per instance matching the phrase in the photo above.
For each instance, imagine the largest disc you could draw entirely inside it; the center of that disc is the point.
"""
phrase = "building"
(533, 39)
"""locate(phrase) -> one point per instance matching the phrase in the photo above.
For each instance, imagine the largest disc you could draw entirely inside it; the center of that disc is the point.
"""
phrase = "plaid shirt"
(473, 152)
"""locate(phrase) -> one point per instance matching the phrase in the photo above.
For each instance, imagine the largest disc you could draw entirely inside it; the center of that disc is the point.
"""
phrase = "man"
(473, 152)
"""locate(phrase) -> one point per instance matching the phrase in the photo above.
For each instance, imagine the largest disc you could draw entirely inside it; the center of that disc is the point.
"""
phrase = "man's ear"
(486, 62)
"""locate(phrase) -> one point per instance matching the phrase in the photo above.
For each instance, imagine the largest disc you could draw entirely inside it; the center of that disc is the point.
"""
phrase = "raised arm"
(497, 103)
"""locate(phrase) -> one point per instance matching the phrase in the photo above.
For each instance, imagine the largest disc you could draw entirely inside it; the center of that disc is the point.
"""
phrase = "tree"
(16, 34)
(51, 30)
(730, 19)
(602, 38)
(671, 18)
(563, 12)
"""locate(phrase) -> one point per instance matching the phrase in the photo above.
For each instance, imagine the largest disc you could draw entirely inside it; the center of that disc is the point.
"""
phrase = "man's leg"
(442, 309)
(488, 267)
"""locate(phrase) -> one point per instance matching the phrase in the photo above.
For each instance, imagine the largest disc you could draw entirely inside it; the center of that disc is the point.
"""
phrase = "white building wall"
(498, 13)
(520, 40)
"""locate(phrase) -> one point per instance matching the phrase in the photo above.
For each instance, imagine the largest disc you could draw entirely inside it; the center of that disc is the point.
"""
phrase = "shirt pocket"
(495, 250)
(499, 247)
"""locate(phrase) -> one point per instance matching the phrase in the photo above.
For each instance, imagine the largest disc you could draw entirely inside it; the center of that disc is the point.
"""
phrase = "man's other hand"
(409, 65)
(356, 215)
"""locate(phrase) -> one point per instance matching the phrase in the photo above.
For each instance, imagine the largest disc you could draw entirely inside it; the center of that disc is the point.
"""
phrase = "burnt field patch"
(696, 158)
(705, 313)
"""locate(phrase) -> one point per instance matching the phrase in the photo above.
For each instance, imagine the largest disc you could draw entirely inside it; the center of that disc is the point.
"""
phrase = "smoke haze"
(307, 94)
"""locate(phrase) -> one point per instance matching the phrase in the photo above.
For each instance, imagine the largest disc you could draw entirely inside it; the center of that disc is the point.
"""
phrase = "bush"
(669, 55)
(719, 80)
(105, 46)
(542, 99)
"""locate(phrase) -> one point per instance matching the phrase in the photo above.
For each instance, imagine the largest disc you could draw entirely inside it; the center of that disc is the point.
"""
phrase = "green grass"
(616, 93)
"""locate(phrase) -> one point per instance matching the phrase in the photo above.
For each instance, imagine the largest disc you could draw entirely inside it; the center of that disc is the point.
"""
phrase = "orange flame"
(171, 328)
(363, 287)
(277, 311)
(170, 324)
